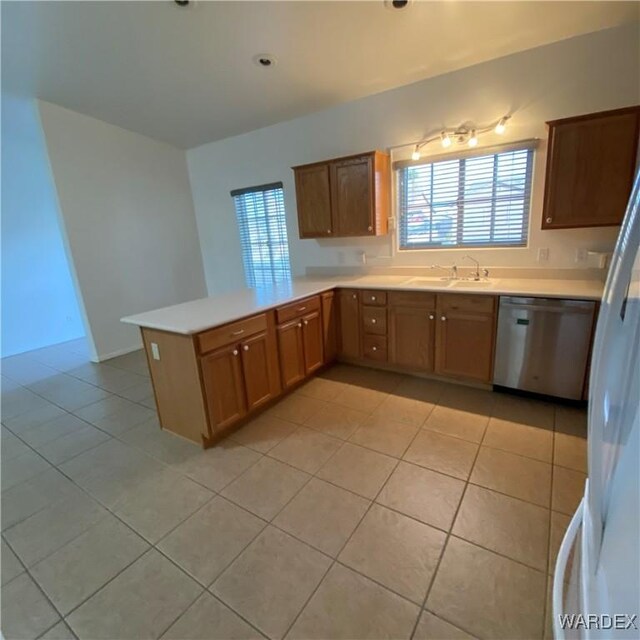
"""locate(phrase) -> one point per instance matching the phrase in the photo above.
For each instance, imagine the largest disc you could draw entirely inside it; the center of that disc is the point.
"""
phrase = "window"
(263, 234)
(471, 201)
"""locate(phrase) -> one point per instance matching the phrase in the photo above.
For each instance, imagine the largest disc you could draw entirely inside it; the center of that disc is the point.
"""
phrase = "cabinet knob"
(305, 322)
(299, 324)
(373, 320)
(369, 228)
(431, 316)
(549, 220)
(354, 296)
(373, 298)
(329, 231)
(235, 352)
(246, 347)
(374, 348)
(443, 318)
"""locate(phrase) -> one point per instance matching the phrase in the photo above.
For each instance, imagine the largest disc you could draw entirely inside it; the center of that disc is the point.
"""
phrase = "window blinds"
(263, 234)
(472, 201)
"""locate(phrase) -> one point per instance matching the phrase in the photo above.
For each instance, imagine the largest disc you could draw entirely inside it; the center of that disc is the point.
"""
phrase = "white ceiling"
(186, 75)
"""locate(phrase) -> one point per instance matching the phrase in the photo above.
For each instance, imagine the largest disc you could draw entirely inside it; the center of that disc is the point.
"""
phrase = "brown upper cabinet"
(313, 197)
(591, 162)
(344, 197)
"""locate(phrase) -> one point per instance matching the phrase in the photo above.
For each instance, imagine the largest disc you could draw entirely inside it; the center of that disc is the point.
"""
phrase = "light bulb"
(473, 140)
(502, 125)
(445, 139)
(416, 154)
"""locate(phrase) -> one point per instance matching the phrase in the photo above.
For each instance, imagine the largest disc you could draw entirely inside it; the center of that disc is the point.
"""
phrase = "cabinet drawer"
(374, 320)
(463, 302)
(229, 333)
(297, 309)
(412, 299)
(375, 348)
(378, 298)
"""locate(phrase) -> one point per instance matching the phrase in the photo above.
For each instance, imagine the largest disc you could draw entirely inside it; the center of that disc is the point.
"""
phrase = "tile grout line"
(446, 543)
(545, 608)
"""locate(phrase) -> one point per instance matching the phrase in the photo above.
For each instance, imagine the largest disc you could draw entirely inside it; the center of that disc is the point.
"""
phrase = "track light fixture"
(462, 135)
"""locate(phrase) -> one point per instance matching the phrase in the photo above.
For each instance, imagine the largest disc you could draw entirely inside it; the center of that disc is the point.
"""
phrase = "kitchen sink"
(382, 280)
(472, 284)
(426, 282)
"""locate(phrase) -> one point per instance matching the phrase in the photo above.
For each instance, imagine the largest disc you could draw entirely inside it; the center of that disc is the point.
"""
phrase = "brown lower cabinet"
(208, 383)
(451, 335)
(465, 336)
(300, 341)
(224, 386)
(329, 326)
(312, 342)
(349, 314)
(291, 352)
(412, 330)
(257, 379)
(237, 379)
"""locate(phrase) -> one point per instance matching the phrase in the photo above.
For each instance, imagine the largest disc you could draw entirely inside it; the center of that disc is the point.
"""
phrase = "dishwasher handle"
(545, 308)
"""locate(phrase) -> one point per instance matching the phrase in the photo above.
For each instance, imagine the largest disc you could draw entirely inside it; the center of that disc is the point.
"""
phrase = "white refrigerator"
(596, 589)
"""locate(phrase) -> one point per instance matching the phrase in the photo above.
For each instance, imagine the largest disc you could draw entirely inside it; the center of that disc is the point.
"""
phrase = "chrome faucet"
(453, 270)
(476, 275)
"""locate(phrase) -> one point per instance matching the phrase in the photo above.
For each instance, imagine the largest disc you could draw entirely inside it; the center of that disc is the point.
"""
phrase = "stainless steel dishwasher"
(543, 345)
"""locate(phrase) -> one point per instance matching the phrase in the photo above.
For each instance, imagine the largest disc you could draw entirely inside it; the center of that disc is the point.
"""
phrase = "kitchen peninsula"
(216, 361)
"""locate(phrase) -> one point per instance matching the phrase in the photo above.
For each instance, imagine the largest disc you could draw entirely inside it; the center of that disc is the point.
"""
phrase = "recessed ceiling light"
(397, 4)
(265, 60)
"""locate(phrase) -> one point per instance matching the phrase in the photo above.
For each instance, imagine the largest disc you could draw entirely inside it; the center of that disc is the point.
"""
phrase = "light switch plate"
(543, 254)
(155, 351)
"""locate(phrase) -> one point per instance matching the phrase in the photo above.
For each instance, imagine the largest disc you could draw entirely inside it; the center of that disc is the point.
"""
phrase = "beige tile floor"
(364, 505)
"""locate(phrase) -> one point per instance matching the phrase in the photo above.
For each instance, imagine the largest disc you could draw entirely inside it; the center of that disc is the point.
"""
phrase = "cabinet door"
(291, 352)
(590, 167)
(411, 337)
(329, 326)
(349, 311)
(313, 199)
(312, 339)
(465, 344)
(224, 386)
(255, 367)
(352, 196)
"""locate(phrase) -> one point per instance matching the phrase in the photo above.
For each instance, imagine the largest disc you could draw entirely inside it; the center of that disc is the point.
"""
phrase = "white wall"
(39, 305)
(129, 219)
(581, 75)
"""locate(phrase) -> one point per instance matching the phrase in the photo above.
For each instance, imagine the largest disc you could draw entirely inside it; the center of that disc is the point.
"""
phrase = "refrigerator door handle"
(561, 568)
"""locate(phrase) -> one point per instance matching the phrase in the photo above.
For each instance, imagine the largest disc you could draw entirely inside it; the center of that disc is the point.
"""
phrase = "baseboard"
(114, 354)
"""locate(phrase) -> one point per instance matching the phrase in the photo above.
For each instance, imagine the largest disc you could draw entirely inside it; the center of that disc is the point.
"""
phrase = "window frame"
(247, 244)
(529, 144)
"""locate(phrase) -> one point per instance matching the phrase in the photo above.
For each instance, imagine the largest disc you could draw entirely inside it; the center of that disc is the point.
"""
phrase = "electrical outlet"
(155, 351)
(543, 254)
(581, 254)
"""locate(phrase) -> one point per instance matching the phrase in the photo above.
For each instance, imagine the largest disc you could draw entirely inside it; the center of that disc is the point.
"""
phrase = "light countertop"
(206, 313)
